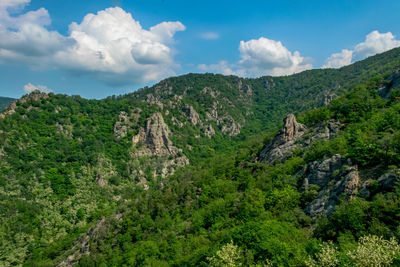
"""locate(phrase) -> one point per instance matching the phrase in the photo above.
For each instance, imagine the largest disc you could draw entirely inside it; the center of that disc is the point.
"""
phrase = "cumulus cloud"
(262, 57)
(209, 35)
(339, 59)
(374, 43)
(109, 45)
(29, 88)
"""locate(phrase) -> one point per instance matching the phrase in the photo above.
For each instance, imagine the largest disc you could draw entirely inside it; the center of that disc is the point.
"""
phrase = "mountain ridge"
(69, 164)
(4, 102)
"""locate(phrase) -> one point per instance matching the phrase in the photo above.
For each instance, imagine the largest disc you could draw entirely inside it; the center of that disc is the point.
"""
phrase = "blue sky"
(58, 46)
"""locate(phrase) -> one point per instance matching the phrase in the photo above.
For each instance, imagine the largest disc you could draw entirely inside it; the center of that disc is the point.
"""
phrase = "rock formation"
(336, 177)
(122, 125)
(385, 183)
(155, 136)
(393, 82)
(321, 173)
(230, 127)
(209, 131)
(226, 122)
(284, 142)
(192, 115)
(153, 140)
(34, 96)
(293, 135)
(326, 99)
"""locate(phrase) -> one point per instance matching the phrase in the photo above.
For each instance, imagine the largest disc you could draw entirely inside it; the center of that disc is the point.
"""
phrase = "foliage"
(375, 251)
(326, 257)
(54, 152)
(228, 256)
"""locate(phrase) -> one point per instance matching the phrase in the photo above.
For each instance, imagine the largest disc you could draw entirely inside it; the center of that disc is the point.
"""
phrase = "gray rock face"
(284, 142)
(337, 179)
(386, 183)
(321, 173)
(393, 83)
(155, 136)
(192, 115)
(326, 99)
(122, 125)
(295, 135)
(324, 131)
(228, 125)
(153, 140)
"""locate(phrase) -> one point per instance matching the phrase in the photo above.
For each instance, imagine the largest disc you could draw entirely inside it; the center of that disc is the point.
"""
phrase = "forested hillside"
(194, 172)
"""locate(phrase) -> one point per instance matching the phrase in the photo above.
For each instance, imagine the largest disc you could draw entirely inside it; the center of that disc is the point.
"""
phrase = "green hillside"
(171, 174)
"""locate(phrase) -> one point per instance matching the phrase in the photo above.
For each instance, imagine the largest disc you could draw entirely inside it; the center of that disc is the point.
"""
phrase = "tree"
(375, 251)
(228, 256)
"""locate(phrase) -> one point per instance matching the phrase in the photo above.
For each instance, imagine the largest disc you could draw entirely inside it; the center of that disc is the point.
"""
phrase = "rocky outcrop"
(327, 98)
(34, 96)
(284, 142)
(209, 131)
(336, 177)
(393, 82)
(295, 135)
(321, 173)
(226, 122)
(325, 131)
(153, 140)
(211, 92)
(92, 236)
(192, 115)
(121, 127)
(155, 137)
(230, 127)
(385, 183)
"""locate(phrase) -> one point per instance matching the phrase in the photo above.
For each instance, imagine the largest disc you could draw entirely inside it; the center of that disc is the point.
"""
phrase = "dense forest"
(199, 170)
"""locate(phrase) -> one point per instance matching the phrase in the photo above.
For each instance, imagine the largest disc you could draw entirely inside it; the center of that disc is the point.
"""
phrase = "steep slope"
(4, 102)
(338, 186)
(67, 162)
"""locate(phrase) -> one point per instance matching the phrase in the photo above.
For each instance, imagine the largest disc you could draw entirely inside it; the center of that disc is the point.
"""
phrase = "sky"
(110, 47)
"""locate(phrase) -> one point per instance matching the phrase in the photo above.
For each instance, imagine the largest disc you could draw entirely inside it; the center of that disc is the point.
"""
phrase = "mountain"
(173, 173)
(4, 102)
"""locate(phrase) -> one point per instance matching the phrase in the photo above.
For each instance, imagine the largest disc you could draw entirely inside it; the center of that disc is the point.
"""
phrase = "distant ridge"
(4, 102)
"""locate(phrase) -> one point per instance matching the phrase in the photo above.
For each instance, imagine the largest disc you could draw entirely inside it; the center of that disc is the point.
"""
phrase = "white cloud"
(339, 59)
(209, 35)
(110, 45)
(262, 57)
(29, 88)
(374, 43)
